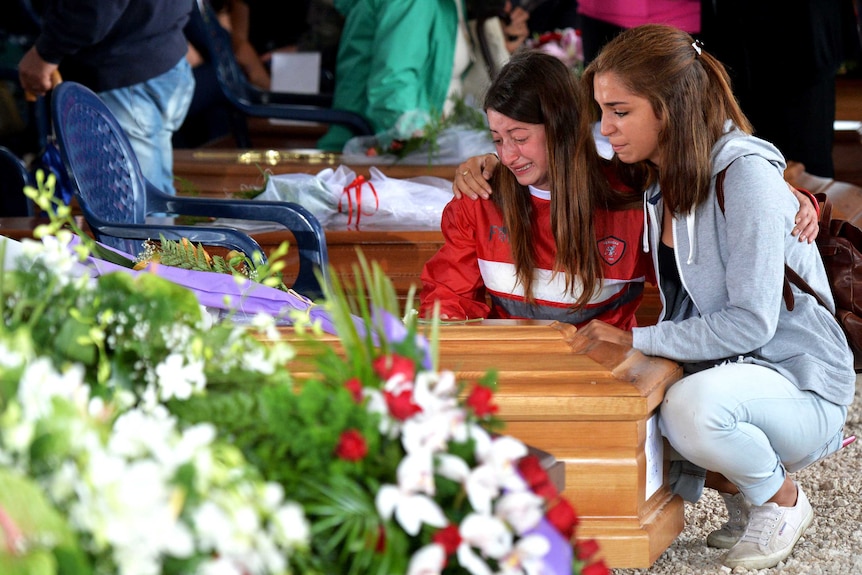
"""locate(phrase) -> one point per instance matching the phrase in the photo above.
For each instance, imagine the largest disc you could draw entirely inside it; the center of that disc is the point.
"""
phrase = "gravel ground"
(832, 545)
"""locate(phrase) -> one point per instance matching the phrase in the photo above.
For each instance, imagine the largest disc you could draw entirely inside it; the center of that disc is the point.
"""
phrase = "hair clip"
(698, 47)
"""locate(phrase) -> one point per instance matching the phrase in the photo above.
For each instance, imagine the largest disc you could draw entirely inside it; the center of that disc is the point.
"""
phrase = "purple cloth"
(558, 561)
(223, 292)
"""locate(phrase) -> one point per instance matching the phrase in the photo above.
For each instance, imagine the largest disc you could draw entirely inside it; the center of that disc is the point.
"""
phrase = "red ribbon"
(356, 187)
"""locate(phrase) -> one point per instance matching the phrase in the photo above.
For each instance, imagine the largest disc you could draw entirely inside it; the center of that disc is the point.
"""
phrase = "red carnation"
(563, 517)
(388, 366)
(536, 477)
(598, 568)
(449, 538)
(354, 386)
(351, 446)
(586, 549)
(480, 401)
(401, 406)
(549, 37)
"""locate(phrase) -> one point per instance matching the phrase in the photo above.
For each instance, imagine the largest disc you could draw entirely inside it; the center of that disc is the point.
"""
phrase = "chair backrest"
(116, 198)
(255, 102)
(100, 161)
(13, 178)
(232, 79)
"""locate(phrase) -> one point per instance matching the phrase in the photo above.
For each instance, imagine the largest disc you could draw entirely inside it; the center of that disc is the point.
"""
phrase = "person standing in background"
(258, 31)
(398, 56)
(133, 55)
(783, 57)
(548, 15)
(601, 20)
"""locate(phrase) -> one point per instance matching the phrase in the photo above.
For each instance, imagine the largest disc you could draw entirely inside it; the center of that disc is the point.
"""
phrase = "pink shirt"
(684, 14)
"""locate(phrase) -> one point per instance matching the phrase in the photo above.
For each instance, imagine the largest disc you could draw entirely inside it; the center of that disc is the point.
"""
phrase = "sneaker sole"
(767, 561)
(721, 541)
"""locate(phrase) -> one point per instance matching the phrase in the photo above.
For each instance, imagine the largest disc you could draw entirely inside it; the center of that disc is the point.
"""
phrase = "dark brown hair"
(536, 88)
(690, 93)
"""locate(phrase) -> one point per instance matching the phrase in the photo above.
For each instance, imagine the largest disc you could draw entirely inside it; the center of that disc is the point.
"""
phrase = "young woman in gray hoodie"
(766, 388)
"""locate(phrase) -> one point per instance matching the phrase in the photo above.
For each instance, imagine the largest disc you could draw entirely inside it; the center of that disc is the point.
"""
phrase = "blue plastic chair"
(255, 102)
(116, 199)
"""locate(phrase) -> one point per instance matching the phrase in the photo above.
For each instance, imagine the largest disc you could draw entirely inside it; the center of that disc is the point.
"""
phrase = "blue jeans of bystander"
(751, 424)
(150, 112)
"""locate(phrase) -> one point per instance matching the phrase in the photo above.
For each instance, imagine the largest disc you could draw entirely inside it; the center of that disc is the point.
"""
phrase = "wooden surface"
(211, 172)
(846, 197)
(590, 409)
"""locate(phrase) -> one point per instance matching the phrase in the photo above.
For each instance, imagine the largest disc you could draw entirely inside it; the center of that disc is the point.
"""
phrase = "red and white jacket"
(475, 265)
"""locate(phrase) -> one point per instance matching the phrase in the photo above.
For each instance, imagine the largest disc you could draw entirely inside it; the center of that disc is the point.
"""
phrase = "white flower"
(497, 471)
(408, 501)
(483, 486)
(527, 556)
(265, 324)
(435, 392)
(10, 358)
(487, 533)
(452, 467)
(139, 434)
(55, 253)
(429, 560)
(41, 383)
(521, 509)
(502, 455)
(430, 432)
(211, 524)
(257, 360)
(290, 526)
(131, 509)
(219, 566)
(178, 379)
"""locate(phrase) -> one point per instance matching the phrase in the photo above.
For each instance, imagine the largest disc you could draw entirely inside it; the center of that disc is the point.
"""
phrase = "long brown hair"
(690, 93)
(536, 88)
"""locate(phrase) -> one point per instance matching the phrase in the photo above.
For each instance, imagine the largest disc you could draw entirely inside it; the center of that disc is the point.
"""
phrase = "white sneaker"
(728, 534)
(771, 533)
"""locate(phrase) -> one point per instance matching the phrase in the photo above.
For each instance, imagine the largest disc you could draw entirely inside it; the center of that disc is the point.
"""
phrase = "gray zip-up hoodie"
(732, 266)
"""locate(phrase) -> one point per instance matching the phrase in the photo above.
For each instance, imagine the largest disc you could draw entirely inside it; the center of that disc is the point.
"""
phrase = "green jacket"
(394, 56)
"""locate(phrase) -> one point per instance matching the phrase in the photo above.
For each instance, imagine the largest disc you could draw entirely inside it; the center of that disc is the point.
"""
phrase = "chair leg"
(239, 127)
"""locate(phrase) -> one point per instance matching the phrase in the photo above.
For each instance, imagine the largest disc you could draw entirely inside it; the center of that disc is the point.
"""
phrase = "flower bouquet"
(419, 137)
(139, 437)
(565, 44)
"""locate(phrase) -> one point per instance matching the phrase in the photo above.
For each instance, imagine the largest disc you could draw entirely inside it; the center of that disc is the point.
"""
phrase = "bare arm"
(471, 177)
(807, 218)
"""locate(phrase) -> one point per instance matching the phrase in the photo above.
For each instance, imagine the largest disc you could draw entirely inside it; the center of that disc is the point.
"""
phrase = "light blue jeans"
(150, 113)
(751, 424)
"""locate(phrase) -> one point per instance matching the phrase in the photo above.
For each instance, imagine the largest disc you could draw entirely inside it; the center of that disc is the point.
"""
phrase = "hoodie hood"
(732, 145)
(736, 144)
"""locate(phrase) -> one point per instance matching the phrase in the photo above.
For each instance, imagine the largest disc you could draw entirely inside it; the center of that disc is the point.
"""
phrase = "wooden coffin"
(594, 410)
(227, 173)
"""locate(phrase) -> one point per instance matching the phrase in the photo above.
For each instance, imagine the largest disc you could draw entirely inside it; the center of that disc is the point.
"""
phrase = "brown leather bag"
(840, 246)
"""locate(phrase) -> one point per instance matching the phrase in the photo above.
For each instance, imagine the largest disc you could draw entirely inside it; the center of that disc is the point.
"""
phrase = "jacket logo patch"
(611, 249)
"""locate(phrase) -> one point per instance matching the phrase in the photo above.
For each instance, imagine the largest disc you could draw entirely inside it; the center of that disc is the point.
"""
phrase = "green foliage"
(184, 255)
(25, 508)
(334, 469)
(462, 115)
